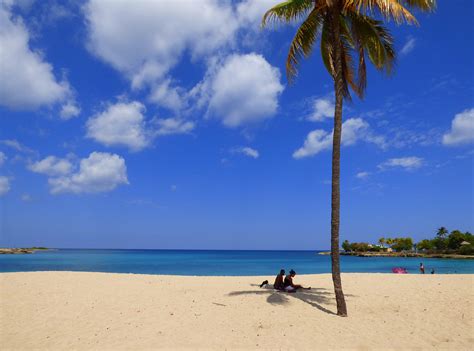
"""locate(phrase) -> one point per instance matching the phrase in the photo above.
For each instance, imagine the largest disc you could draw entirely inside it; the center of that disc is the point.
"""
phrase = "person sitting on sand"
(278, 284)
(288, 283)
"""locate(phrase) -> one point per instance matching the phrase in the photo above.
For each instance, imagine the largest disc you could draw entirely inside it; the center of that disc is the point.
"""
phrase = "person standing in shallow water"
(422, 268)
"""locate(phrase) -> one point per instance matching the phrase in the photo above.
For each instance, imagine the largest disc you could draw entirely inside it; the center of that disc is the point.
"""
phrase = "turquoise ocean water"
(204, 262)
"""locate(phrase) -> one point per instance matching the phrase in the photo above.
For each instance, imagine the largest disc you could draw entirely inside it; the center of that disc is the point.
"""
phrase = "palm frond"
(360, 35)
(288, 11)
(327, 47)
(375, 39)
(351, 47)
(390, 9)
(328, 52)
(423, 5)
(302, 43)
(361, 73)
(348, 77)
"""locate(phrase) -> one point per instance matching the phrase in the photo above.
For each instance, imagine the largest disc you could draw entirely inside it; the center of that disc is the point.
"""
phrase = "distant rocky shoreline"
(20, 250)
(400, 254)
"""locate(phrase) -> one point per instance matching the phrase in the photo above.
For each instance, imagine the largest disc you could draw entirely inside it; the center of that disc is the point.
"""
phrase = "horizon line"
(158, 249)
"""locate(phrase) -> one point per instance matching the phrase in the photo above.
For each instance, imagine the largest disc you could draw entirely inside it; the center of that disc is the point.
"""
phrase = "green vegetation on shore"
(453, 243)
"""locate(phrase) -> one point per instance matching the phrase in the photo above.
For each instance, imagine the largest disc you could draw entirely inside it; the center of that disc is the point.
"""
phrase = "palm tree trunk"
(336, 160)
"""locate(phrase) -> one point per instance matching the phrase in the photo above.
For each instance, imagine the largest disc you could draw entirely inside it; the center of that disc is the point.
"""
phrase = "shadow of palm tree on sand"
(315, 297)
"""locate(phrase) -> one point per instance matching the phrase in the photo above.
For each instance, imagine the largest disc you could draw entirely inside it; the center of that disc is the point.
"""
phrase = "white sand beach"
(102, 311)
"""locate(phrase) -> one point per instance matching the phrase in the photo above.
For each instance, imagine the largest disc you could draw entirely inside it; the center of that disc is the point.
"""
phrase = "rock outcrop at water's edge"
(19, 250)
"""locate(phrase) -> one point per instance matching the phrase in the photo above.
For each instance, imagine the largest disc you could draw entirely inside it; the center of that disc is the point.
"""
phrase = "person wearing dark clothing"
(422, 268)
(279, 284)
(289, 286)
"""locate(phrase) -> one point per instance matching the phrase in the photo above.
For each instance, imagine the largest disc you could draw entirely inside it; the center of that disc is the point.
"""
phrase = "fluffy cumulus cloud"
(462, 129)
(124, 124)
(168, 126)
(250, 12)
(52, 166)
(315, 142)
(27, 79)
(69, 110)
(247, 151)
(322, 108)
(145, 39)
(166, 95)
(243, 89)
(408, 163)
(100, 172)
(353, 130)
(4, 185)
(121, 124)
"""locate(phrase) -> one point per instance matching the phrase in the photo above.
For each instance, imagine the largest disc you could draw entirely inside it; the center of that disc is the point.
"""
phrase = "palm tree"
(382, 241)
(442, 232)
(349, 35)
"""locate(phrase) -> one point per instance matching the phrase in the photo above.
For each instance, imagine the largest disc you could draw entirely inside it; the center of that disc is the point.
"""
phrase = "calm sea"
(203, 262)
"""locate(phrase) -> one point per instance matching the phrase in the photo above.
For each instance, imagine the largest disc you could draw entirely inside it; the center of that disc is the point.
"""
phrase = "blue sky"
(170, 124)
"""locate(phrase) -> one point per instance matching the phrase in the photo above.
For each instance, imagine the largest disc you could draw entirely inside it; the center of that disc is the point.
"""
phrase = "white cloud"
(362, 175)
(250, 12)
(243, 89)
(16, 145)
(4, 185)
(52, 166)
(168, 126)
(145, 39)
(69, 110)
(462, 129)
(3, 158)
(408, 163)
(247, 151)
(27, 79)
(100, 172)
(323, 108)
(409, 46)
(167, 96)
(124, 124)
(121, 124)
(316, 141)
(353, 130)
